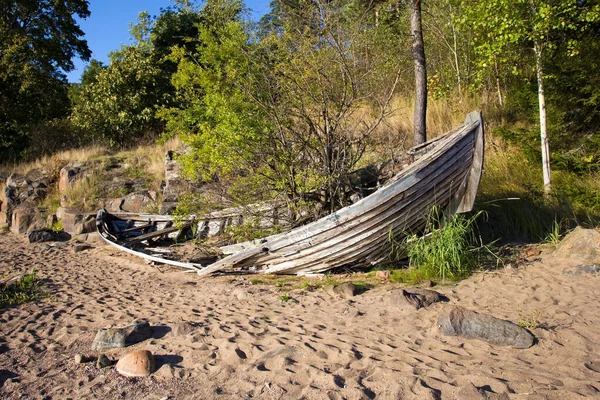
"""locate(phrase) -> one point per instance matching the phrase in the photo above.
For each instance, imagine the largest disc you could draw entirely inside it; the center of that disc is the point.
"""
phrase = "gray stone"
(41, 235)
(81, 247)
(581, 244)
(592, 269)
(415, 298)
(346, 290)
(109, 338)
(103, 361)
(458, 321)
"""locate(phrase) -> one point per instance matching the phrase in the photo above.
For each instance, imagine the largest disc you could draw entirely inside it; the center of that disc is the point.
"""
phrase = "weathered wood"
(156, 234)
(446, 174)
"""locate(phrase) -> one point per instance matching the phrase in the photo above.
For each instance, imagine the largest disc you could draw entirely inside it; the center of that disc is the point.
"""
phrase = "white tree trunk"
(543, 124)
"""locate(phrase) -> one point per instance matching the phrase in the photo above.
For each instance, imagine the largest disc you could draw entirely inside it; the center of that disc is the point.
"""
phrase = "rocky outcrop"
(175, 184)
(20, 196)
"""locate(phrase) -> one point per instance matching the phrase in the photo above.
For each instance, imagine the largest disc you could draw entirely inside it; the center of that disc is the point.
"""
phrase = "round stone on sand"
(136, 364)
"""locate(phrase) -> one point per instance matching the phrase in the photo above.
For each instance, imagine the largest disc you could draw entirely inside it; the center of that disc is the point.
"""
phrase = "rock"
(139, 363)
(75, 221)
(81, 247)
(345, 290)
(415, 298)
(593, 269)
(110, 338)
(471, 392)
(458, 321)
(240, 294)
(41, 235)
(23, 217)
(80, 359)
(382, 275)
(183, 329)
(103, 362)
(51, 220)
(67, 177)
(138, 201)
(581, 244)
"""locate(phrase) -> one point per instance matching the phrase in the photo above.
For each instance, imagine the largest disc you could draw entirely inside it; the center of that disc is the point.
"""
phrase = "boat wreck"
(443, 172)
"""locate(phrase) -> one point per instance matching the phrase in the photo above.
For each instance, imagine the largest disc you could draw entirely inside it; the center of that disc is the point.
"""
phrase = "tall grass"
(447, 249)
(511, 193)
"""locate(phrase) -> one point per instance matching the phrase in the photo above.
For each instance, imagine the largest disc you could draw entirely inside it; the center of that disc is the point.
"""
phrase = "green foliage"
(284, 298)
(37, 43)
(295, 109)
(25, 289)
(529, 320)
(446, 250)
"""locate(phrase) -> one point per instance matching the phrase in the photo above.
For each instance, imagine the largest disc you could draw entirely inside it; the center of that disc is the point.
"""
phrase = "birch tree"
(509, 30)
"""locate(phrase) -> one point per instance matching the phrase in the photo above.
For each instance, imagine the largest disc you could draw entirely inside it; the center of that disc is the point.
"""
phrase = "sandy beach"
(226, 338)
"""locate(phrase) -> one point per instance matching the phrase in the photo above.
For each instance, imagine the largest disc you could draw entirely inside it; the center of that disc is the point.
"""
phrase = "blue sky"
(108, 26)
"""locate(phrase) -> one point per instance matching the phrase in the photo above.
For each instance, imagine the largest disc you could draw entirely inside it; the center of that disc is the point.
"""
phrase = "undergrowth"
(25, 289)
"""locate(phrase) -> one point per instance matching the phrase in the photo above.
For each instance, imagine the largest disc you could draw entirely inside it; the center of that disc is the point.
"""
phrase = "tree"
(117, 104)
(504, 27)
(294, 108)
(38, 41)
(418, 52)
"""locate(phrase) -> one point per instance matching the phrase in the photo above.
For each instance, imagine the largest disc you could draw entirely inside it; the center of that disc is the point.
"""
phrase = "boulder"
(580, 244)
(458, 321)
(22, 218)
(138, 201)
(75, 221)
(415, 298)
(41, 235)
(139, 363)
(109, 338)
(346, 290)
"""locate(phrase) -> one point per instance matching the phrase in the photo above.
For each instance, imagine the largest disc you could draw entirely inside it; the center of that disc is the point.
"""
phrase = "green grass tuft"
(25, 289)
(446, 251)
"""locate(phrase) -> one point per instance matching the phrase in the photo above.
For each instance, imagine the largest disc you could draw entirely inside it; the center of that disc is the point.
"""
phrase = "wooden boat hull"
(445, 174)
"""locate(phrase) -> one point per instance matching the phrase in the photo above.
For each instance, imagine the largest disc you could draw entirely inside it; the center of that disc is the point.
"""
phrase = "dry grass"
(56, 161)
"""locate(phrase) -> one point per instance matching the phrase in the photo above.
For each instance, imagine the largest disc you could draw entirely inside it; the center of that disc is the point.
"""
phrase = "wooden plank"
(152, 235)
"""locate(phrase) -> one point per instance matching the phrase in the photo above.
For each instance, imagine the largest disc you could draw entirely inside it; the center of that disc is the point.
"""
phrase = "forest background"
(287, 106)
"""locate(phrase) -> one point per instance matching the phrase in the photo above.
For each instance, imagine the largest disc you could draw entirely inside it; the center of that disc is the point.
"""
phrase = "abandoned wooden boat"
(444, 172)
